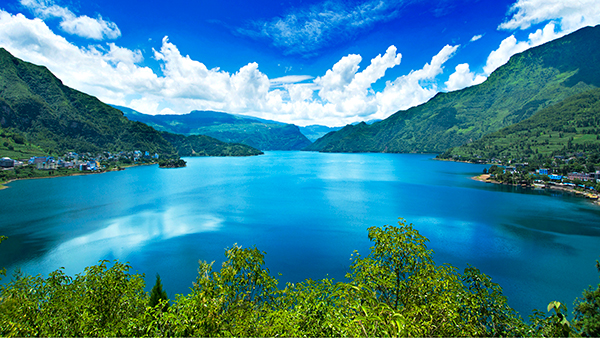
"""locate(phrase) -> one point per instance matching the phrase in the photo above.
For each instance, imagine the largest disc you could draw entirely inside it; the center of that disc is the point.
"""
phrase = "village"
(85, 162)
(586, 184)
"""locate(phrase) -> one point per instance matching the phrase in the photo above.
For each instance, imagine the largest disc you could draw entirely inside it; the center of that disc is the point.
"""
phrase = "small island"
(171, 163)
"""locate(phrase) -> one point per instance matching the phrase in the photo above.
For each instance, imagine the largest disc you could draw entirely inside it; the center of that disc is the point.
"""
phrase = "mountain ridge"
(569, 127)
(529, 81)
(255, 132)
(37, 106)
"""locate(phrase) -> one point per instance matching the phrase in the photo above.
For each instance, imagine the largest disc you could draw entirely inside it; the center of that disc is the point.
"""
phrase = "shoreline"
(593, 197)
(4, 185)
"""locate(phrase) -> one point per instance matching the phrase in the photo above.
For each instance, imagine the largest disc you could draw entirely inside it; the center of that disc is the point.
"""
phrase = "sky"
(327, 62)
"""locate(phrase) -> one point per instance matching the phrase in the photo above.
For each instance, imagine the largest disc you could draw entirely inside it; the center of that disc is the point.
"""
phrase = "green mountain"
(571, 127)
(255, 132)
(316, 131)
(530, 81)
(40, 115)
(38, 106)
(201, 145)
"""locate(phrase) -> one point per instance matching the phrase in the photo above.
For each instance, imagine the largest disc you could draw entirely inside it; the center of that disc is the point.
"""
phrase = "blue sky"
(328, 62)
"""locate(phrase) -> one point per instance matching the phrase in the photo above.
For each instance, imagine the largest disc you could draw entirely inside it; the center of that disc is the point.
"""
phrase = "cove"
(308, 212)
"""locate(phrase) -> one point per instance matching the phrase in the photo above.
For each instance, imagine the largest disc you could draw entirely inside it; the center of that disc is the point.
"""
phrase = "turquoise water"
(308, 212)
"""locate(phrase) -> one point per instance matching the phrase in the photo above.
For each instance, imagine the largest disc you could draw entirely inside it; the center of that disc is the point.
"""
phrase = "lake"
(308, 212)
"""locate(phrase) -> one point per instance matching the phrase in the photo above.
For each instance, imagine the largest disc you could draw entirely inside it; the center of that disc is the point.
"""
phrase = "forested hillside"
(529, 82)
(201, 145)
(39, 115)
(36, 104)
(569, 128)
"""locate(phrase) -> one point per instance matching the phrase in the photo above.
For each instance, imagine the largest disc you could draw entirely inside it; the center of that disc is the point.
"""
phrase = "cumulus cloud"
(342, 95)
(83, 26)
(510, 46)
(413, 89)
(351, 91)
(462, 78)
(572, 15)
(306, 30)
(561, 17)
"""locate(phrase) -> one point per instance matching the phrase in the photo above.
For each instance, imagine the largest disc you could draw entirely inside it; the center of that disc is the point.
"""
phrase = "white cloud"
(476, 37)
(510, 46)
(308, 29)
(97, 29)
(350, 91)
(564, 17)
(413, 89)
(300, 92)
(186, 78)
(103, 71)
(344, 94)
(289, 79)
(83, 26)
(462, 78)
(572, 15)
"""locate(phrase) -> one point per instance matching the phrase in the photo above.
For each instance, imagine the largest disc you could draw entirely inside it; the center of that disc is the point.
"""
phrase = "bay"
(308, 212)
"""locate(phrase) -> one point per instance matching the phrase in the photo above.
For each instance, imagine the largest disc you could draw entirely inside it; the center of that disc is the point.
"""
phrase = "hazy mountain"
(530, 81)
(316, 131)
(255, 132)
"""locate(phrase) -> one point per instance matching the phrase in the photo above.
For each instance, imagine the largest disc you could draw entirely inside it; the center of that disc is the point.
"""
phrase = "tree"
(157, 294)
(400, 291)
(2, 270)
(587, 311)
(101, 301)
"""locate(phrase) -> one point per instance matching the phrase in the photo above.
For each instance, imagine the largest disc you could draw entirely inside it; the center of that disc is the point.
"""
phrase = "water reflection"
(124, 236)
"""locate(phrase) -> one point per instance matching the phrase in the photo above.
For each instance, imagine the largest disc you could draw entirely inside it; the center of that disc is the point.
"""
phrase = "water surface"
(308, 212)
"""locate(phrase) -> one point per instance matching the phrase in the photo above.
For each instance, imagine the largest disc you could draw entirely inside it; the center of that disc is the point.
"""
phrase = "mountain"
(36, 104)
(255, 132)
(316, 131)
(530, 81)
(564, 129)
(42, 115)
(201, 145)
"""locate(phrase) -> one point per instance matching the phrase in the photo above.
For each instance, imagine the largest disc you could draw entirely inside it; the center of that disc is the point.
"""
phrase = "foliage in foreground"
(397, 290)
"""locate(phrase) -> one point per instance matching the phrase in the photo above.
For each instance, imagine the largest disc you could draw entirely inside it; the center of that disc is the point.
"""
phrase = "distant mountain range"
(316, 131)
(37, 107)
(258, 133)
(530, 81)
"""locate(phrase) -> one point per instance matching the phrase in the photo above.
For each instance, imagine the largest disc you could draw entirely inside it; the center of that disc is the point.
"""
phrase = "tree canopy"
(395, 290)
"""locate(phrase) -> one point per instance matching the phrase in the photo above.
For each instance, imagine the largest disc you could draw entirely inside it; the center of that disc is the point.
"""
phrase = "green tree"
(101, 301)
(2, 270)
(232, 301)
(157, 294)
(587, 311)
(485, 309)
